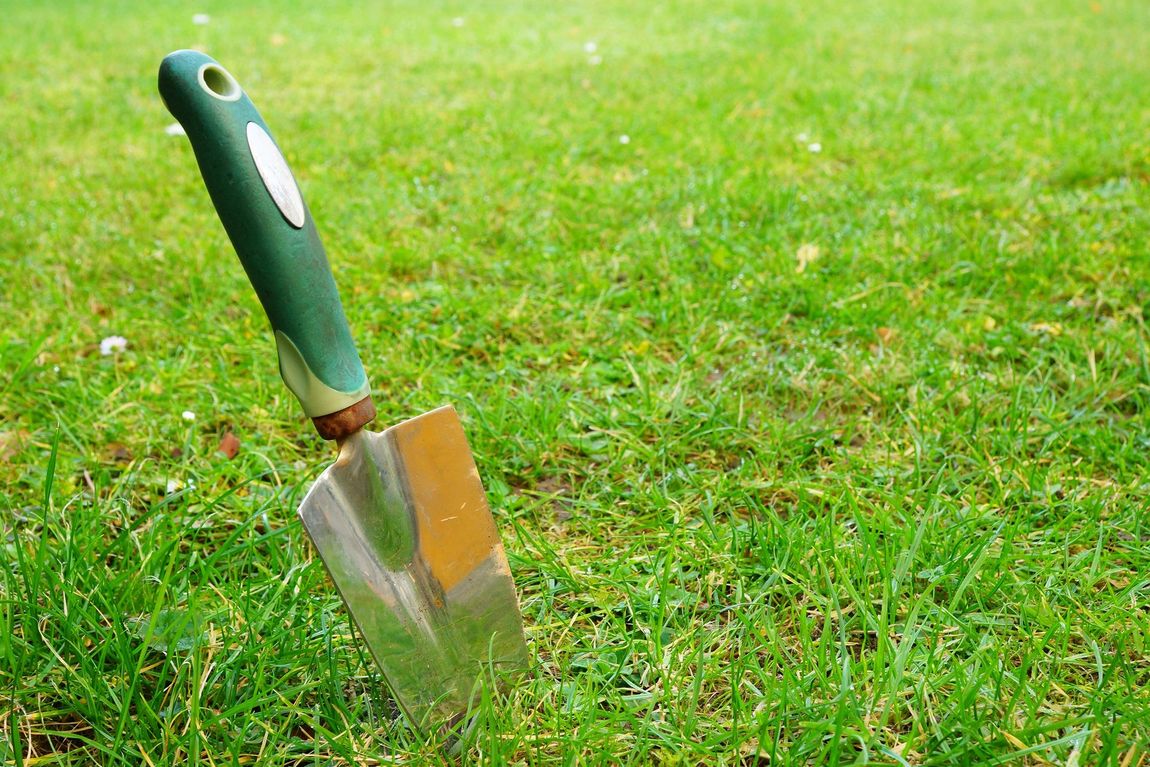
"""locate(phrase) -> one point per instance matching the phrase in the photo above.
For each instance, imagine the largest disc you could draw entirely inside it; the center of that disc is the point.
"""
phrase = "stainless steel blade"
(402, 524)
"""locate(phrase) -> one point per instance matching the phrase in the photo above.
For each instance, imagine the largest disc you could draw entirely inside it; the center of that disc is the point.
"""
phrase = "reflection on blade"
(402, 524)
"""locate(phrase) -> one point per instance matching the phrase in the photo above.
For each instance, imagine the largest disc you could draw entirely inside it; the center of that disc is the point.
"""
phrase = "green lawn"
(802, 348)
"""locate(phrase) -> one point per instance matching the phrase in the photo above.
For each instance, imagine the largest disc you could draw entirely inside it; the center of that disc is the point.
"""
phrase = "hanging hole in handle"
(219, 82)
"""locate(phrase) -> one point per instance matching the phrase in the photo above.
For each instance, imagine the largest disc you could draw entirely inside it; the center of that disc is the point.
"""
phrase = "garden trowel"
(400, 519)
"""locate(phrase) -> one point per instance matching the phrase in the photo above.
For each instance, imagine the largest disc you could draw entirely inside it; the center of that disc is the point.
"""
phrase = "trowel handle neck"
(263, 212)
(343, 423)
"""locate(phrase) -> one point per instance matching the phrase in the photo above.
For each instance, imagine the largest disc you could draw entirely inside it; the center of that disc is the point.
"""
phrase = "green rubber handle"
(260, 206)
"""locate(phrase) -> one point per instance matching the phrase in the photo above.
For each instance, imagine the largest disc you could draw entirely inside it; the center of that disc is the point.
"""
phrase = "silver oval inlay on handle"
(276, 175)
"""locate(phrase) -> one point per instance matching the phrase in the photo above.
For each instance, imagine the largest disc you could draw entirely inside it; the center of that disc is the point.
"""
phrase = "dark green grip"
(271, 229)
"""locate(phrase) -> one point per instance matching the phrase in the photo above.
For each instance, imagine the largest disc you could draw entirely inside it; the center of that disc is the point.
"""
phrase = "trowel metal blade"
(402, 524)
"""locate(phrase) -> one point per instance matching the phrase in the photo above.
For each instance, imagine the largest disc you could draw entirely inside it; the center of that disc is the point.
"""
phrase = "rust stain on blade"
(456, 530)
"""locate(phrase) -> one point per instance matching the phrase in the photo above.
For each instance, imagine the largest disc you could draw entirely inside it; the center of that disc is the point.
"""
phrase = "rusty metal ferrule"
(343, 423)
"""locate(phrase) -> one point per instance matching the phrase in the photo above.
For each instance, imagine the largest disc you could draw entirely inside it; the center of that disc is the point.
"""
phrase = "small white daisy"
(188, 415)
(113, 344)
(590, 47)
(624, 139)
(200, 19)
(815, 147)
(175, 129)
(457, 21)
